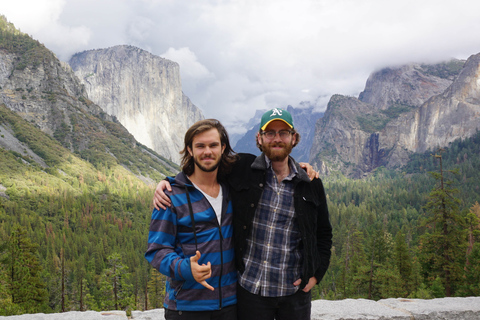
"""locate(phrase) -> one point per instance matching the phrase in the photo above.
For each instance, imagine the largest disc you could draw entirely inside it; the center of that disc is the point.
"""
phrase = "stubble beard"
(207, 169)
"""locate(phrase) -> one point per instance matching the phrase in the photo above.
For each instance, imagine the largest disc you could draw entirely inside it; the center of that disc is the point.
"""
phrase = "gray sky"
(237, 56)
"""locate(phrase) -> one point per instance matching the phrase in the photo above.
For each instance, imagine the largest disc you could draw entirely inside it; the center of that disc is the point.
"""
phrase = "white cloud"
(190, 67)
(237, 56)
(41, 19)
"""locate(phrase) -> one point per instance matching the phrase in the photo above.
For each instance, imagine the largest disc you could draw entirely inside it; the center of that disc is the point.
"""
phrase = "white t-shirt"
(216, 203)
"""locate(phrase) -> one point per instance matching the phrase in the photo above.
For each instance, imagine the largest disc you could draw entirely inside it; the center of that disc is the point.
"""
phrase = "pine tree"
(355, 269)
(378, 249)
(156, 289)
(23, 272)
(443, 245)
(471, 285)
(7, 308)
(403, 261)
(115, 286)
(389, 282)
(473, 225)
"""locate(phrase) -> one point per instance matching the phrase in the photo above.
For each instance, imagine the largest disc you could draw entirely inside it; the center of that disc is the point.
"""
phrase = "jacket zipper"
(221, 267)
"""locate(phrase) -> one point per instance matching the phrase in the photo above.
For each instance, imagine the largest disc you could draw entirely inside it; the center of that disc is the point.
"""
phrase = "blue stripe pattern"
(171, 243)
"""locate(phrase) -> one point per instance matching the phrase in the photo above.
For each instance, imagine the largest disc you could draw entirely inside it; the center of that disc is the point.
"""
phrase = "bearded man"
(282, 230)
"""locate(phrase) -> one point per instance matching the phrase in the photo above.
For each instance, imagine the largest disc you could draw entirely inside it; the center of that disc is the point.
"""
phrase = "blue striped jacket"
(171, 243)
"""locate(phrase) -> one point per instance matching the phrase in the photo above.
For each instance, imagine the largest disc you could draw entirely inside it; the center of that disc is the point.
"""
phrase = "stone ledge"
(73, 315)
(397, 309)
(348, 309)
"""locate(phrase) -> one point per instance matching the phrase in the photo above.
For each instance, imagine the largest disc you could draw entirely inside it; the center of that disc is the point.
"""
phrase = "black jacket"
(247, 181)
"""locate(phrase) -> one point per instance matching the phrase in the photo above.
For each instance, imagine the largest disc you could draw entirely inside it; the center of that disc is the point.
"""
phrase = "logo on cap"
(276, 112)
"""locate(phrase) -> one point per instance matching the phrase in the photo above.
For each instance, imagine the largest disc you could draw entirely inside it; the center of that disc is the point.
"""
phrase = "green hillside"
(74, 205)
(74, 210)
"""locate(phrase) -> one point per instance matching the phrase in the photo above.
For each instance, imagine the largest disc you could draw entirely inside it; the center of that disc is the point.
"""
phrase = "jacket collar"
(180, 180)
(260, 163)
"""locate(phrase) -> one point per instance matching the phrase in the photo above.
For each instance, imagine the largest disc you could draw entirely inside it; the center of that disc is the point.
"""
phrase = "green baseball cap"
(276, 114)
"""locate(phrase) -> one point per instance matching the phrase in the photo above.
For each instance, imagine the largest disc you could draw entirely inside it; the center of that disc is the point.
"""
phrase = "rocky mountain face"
(142, 91)
(46, 93)
(304, 119)
(402, 110)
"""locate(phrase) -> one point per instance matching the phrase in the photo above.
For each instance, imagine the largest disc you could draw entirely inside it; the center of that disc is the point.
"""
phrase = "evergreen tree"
(23, 272)
(403, 261)
(471, 285)
(378, 250)
(7, 307)
(156, 289)
(473, 225)
(389, 282)
(443, 245)
(354, 277)
(115, 286)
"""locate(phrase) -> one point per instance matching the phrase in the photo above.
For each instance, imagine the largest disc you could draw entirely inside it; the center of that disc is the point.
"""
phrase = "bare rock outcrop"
(402, 111)
(143, 91)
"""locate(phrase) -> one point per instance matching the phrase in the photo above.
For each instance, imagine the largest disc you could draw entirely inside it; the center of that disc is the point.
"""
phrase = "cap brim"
(266, 124)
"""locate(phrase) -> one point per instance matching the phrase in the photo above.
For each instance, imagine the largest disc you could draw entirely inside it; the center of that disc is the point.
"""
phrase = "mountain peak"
(403, 110)
(143, 91)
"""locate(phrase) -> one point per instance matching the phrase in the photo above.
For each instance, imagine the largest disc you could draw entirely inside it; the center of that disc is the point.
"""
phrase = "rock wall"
(49, 95)
(349, 309)
(142, 91)
(405, 110)
(407, 85)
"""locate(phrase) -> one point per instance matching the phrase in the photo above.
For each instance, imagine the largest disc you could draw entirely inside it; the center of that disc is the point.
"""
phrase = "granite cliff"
(402, 110)
(45, 92)
(142, 91)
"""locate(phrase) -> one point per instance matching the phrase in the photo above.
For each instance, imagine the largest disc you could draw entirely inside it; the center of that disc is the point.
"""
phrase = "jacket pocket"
(176, 287)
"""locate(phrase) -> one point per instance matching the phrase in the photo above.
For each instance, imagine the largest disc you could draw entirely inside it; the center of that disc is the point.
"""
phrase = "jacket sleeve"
(161, 252)
(324, 232)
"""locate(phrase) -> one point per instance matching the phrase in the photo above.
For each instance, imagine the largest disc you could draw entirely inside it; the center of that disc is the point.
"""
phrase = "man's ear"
(190, 151)
(294, 139)
(259, 138)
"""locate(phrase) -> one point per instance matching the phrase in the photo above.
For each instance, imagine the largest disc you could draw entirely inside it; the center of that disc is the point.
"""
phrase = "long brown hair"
(228, 156)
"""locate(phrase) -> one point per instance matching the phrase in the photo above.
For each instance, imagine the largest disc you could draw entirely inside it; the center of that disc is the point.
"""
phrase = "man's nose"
(277, 136)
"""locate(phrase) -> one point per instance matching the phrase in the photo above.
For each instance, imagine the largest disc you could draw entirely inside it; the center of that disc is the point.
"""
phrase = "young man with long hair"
(191, 242)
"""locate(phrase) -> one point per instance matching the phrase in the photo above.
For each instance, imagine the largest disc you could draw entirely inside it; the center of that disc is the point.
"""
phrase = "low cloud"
(239, 56)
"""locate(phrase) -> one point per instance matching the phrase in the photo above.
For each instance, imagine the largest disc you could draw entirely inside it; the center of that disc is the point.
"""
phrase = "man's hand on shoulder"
(312, 174)
(160, 199)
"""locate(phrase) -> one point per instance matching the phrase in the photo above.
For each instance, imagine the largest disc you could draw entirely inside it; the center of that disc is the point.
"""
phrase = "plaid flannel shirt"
(273, 258)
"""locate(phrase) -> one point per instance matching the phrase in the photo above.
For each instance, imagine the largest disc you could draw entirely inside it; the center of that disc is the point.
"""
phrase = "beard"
(277, 154)
(204, 168)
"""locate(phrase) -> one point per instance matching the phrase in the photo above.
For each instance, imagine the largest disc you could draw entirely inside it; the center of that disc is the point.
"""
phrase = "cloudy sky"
(237, 56)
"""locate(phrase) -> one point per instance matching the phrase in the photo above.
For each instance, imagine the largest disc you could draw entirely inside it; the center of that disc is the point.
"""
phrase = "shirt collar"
(262, 163)
(293, 169)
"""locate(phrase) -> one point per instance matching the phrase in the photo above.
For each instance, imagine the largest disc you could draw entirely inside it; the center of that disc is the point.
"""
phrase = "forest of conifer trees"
(396, 234)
